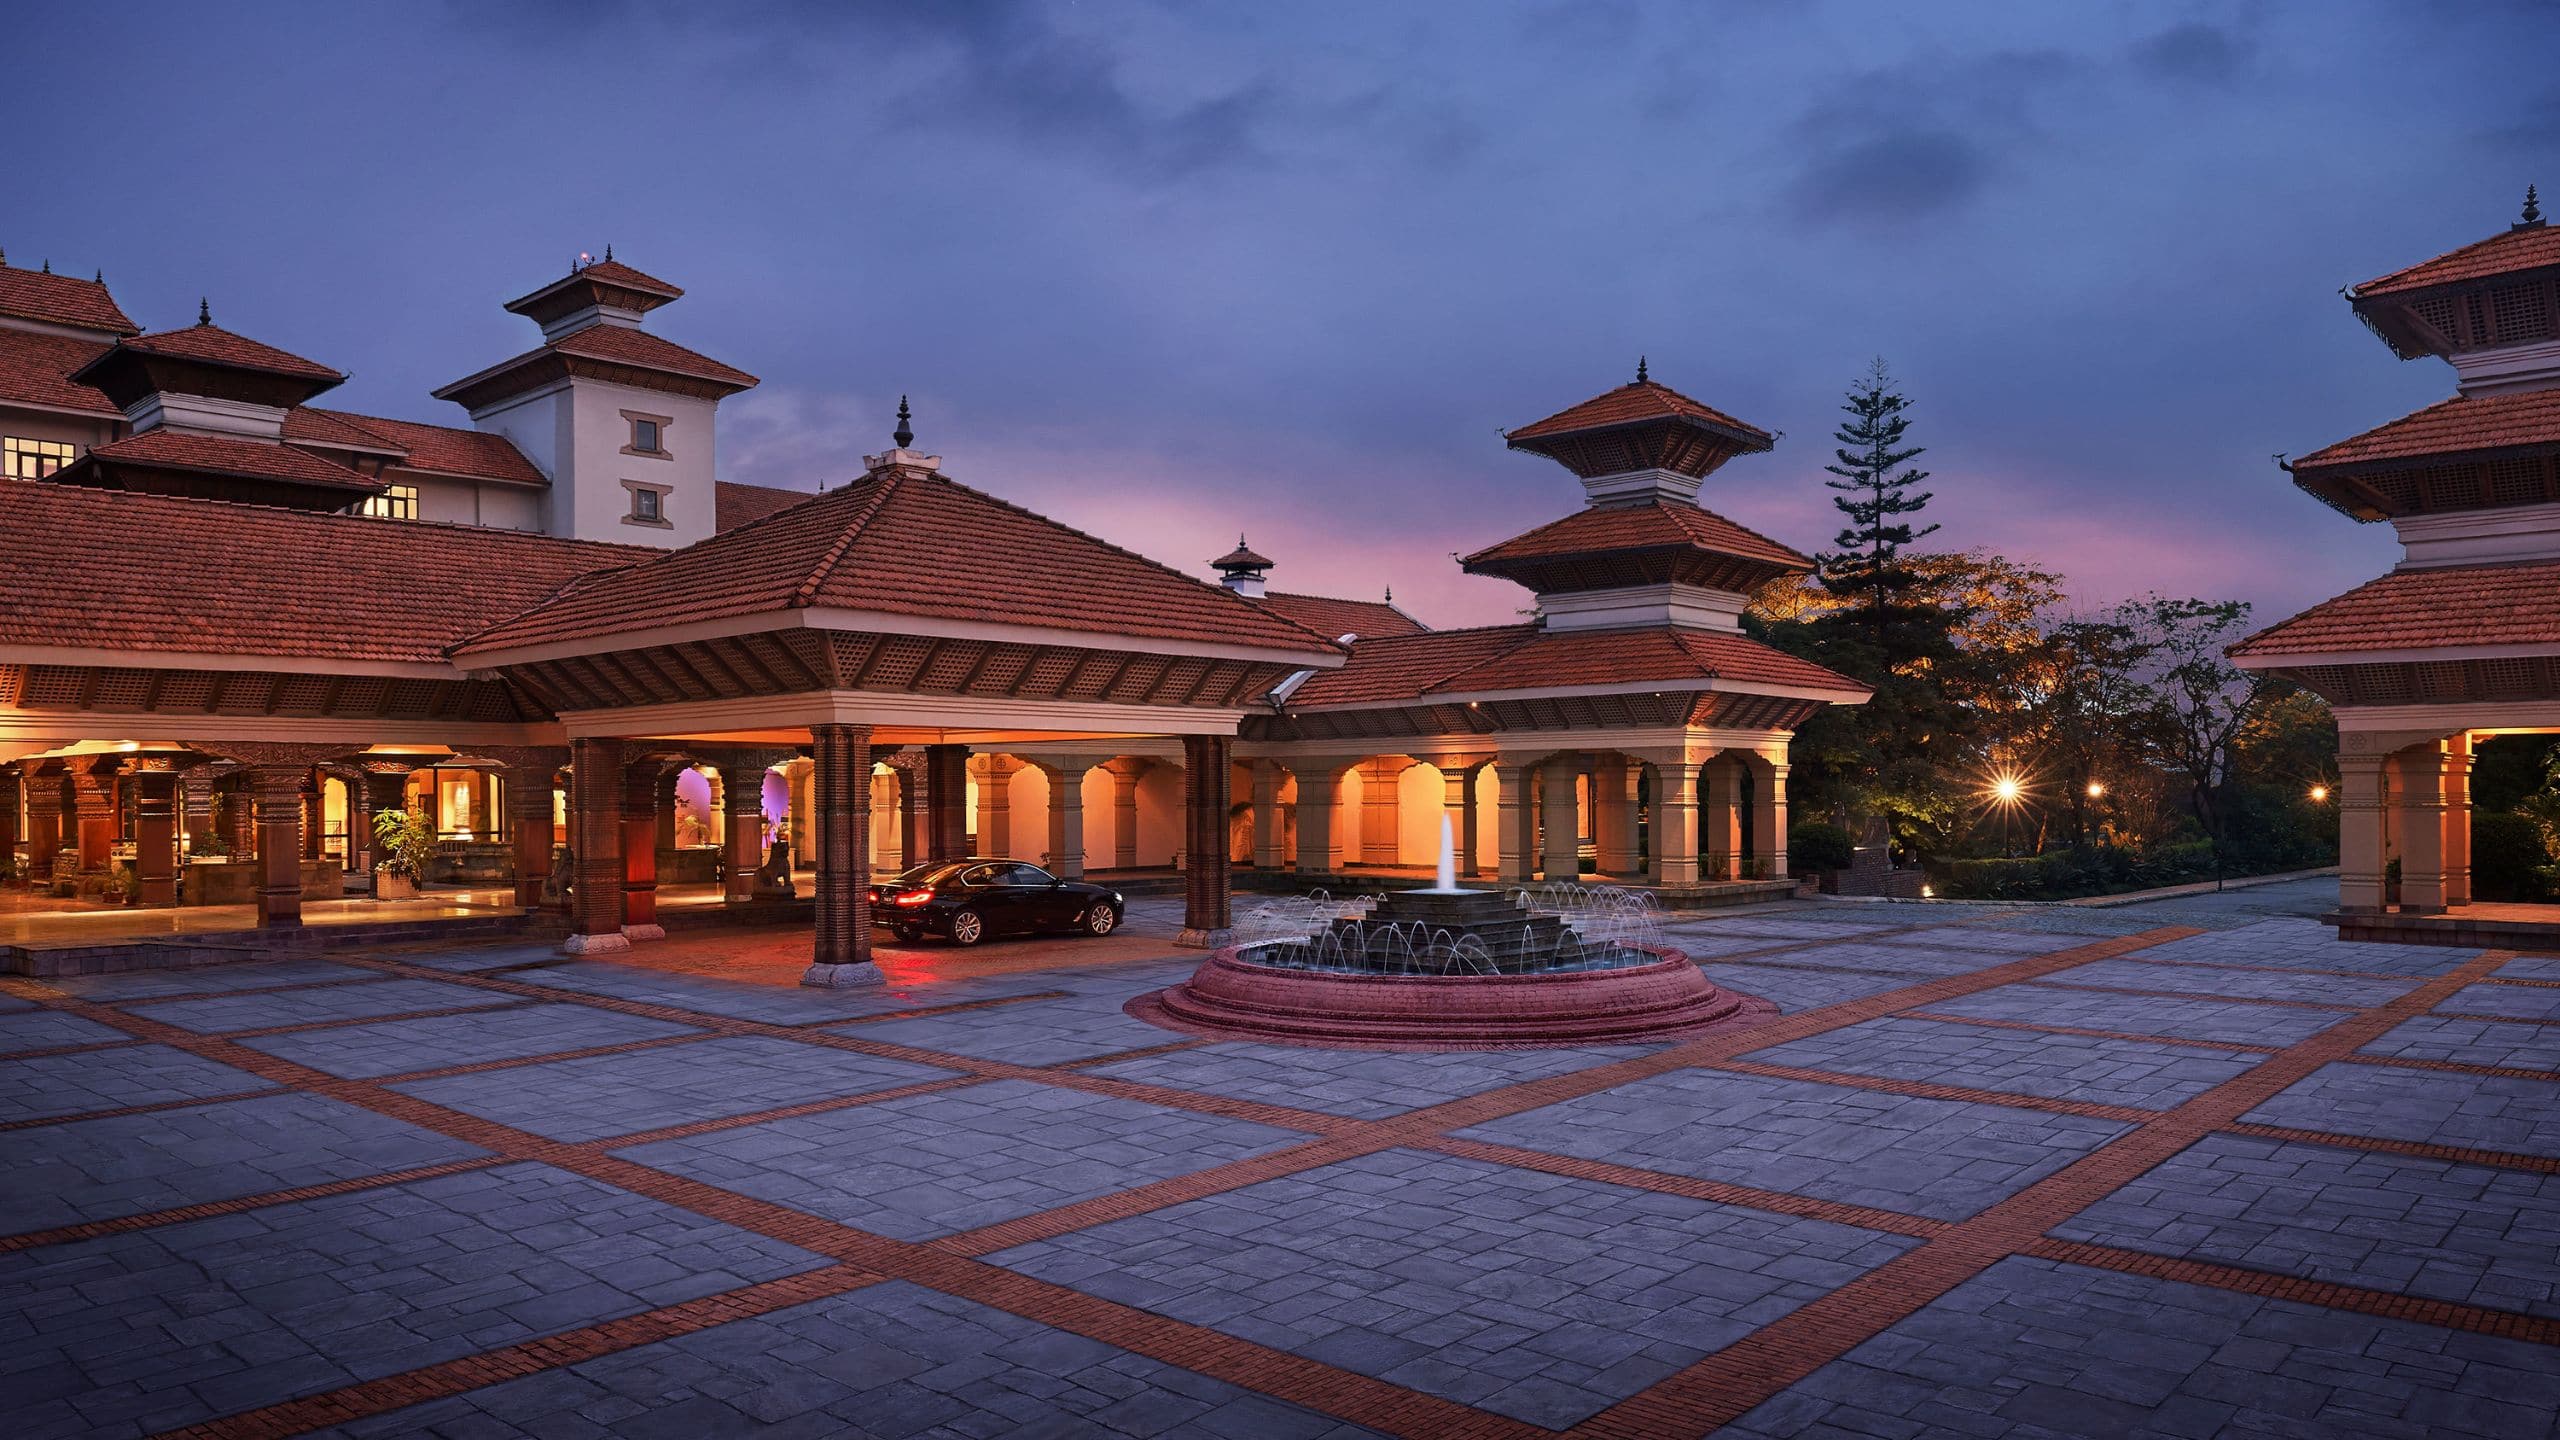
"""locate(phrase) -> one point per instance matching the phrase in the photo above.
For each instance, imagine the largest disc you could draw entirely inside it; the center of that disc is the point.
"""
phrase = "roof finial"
(99, 278)
(204, 311)
(48, 265)
(4, 259)
(1641, 377)
(2532, 211)
(1391, 594)
(905, 435)
(608, 249)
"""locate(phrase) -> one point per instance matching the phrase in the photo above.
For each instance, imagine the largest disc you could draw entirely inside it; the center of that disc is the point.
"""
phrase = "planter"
(390, 886)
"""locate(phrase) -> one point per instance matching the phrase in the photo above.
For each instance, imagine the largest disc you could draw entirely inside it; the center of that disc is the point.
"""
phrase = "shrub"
(404, 842)
(2508, 856)
(1816, 845)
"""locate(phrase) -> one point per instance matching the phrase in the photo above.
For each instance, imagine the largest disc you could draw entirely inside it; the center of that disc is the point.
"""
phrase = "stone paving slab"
(931, 1165)
(395, 1047)
(2513, 1002)
(132, 1164)
(2411, 1226)
(2061, 1067)
(602, 1096)
(1034, 1032)
(141, 1331)
(893, 1361)
(2032, 1348)
(1531, 1295)
(1362, 1084)
(2201, 1018)
(2308, 945)
(1904, 962)
(207, 979)
(2479, 1111)
(258, 1010)
(2515, 1044)
(33, 1029)
(1940, 1158)
(2008, 944)
(49, 1085)
(2532, 967)
(472, 958)
(1792, 989)
(772, 1004)
(2248, 984)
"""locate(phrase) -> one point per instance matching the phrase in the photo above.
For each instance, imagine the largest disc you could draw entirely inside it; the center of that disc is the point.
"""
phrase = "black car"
(970, 900)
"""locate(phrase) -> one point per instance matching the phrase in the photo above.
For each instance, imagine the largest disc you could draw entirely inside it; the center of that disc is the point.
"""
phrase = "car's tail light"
(911, 897)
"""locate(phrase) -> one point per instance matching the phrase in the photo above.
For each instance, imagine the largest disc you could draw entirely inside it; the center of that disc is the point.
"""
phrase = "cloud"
(1892, 175)
(2196, 54)
(1923, 137)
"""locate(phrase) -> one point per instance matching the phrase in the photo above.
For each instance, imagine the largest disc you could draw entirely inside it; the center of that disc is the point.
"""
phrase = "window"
(645, 505)
(648, 505)
(400, 502)
(34, 459)
(648, 434)
(644, 435)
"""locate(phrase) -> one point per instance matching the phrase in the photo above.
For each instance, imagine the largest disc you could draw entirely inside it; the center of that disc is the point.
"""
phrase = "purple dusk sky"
(1170, 272)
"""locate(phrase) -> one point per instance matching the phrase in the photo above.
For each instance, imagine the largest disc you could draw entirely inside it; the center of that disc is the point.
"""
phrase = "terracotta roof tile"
(1333, 618)
(2452, 427)
(2513, 604)
(216, 346)
(1524, 657)
(36, 370)
(335, 430)
(734, 504)
(220, 455)
(2504, 253)
(601, 272)
(61, 300)
(1241, 557)
(1653, 525)
(444, 449)
(1406, 667)
(121, 571)
(908, 543)
(1632, 404)
(624, 345)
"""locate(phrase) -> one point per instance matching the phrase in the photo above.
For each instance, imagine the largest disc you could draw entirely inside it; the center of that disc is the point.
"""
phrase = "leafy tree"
(2201, 702)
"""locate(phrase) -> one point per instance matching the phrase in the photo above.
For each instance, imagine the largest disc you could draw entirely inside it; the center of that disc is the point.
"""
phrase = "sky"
(1175, 272)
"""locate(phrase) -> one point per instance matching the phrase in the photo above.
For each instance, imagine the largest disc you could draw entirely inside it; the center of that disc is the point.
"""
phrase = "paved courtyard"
(2183, 1169)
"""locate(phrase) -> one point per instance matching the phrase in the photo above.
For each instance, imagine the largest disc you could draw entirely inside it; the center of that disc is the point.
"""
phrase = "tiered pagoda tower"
(2462, 638)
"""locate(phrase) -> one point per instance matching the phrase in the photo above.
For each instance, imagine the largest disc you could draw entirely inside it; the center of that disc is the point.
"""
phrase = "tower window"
(644, 505)
(648, 505)
(400, 502)
(644, 434)
(648, 435)
(34, 459)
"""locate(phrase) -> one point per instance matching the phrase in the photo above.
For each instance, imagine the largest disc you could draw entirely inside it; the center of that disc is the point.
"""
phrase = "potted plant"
(403, 843)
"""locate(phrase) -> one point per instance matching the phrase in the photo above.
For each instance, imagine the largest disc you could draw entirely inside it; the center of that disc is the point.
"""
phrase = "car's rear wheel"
(907, 934)
(968, 927)
(1101, 919)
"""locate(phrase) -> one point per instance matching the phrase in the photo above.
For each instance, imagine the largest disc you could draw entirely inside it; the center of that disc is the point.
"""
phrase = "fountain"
(1452, 968)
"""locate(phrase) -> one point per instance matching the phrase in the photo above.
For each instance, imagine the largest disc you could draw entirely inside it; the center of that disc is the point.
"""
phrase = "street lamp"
(2097, 789)
(2319, 794)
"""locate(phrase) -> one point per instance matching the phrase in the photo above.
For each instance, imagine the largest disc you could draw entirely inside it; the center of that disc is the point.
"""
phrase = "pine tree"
(1875, 485)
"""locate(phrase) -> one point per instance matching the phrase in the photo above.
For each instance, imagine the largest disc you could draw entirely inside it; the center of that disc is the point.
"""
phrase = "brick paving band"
(1695, 1399)
(2447, 1314)
(2140, 1036)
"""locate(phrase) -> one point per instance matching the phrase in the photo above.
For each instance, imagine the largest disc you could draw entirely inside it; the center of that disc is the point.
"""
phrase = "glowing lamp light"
(2319, 793)
(2097, 789)
(2006, 789)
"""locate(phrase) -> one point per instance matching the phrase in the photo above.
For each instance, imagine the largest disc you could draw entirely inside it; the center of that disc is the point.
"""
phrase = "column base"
(854, 976)
(1196, 939)
(612, 944)
(644, 932)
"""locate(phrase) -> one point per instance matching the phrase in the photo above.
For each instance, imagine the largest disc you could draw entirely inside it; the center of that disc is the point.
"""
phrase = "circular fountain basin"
(1235, 998)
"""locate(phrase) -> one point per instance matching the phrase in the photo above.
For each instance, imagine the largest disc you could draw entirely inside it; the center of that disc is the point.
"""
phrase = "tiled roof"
(2452, 427)
(908, 543)
(2512, 604)
(36, 370)
(216, 346)
(602, 272)
(2504, 253)
(1241, 557)
(1333, 618)
(61, 300)
(612, 345)
(1630, 404)
(443, 449)
(1652, 525)
(221, 455)
(734, 504)
(120, 571)
(334, 430)
(1524, 657)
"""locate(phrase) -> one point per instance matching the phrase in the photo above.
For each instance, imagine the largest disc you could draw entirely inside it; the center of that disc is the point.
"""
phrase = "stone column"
(1769, 815)
(641, 789)
(1319, 786)
(196, 788)
(946, 789)
(2457, 821)
(915, 807)
(1381, 816)
(44, 825)
(93, 801)
(885, 858)
(2360, 848)
(1559, 808)
(1613, 815)
(1515, 827)
(1066, 814)
(1124, 772)
(664, 808)
(742, 820)
(1675, 818)
(1719, 795)
(1458, 806)
(9, 811)
(1267, 850)
(1207, 761)
(278, 792)
(315, 814)
(2419, 773)
(596, 785)
(530, 787)
(995, 805)
(243, 815)
(155, 837)
(840, 793)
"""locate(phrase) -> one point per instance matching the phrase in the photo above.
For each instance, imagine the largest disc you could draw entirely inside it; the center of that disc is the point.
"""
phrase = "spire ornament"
(2532, 218)
(1641, 377)
(905, 434)
(204, 311)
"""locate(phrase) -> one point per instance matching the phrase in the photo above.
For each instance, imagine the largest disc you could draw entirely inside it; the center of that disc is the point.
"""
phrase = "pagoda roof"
(209, 344)
(61, 300)
(222, 455)
(1333, 618)
(1449, 665)
(2452, 607)
(2523, 247)
(415, 444)
(1636, 403)
(602, 274)
(1242, 558)
(1628, 544)
(614, 352)
(36, 369)
(2464, 424)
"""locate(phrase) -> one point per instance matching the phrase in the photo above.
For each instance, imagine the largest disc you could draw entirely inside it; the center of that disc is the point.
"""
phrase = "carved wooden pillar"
(44, 823)
(277, 792)
(532, 783)
(10, 809)
(155, 837)
(840, 792)
(742, 810)
(596, 783)
(93, 800)
(1206, 782)
(641, 789)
